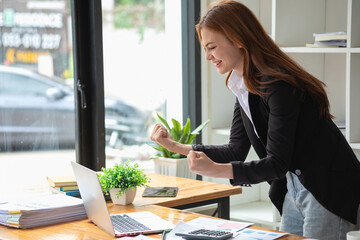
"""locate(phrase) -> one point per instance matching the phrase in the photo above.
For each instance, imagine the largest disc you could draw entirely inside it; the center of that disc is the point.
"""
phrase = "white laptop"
(97, 211)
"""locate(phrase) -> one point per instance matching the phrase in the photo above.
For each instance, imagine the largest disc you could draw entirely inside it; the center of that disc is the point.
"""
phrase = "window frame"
(89, 77)
(89, 84)
(191, 63)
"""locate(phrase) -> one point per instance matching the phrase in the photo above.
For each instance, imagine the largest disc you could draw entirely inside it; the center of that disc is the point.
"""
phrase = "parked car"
(37, 113)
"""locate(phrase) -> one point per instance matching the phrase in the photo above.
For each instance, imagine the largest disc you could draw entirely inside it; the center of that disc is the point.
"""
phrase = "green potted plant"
(121, 182)
(175, 164)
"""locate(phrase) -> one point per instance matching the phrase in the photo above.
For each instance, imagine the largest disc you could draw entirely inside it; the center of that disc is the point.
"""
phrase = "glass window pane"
(142, 74)
(37, 116)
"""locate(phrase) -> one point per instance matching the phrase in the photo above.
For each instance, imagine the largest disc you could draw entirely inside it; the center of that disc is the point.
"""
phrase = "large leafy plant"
(179, 134)
(122, 176)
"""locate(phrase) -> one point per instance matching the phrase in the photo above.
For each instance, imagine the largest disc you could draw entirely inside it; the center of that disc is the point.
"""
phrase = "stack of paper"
(332, 39)
(41, 211)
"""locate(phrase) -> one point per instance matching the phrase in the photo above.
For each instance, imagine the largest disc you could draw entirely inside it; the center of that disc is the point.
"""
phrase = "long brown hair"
(262, 57)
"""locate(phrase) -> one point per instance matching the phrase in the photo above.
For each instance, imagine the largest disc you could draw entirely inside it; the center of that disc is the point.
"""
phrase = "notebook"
(98, 213)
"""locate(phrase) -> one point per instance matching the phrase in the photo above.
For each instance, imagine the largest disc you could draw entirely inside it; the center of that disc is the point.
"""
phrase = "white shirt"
(237, 86)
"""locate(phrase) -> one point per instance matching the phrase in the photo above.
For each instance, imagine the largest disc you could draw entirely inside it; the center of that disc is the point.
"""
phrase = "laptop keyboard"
(124, 223)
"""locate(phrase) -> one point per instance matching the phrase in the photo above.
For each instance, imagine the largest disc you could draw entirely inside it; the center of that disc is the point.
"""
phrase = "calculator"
(206, 234)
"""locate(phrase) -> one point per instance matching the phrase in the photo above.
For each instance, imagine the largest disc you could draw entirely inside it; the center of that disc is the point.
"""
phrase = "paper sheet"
(181, 227)
(240, 230)
(218, 224)
(139, 237)
(254, 234)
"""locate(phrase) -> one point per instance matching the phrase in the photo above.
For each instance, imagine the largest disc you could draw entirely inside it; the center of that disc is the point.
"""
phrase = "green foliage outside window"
(140, 14)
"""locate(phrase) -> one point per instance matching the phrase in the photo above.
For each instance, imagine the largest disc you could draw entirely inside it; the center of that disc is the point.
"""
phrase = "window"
(37, 114)
(37, 131)
(142, 67)
(22, 85)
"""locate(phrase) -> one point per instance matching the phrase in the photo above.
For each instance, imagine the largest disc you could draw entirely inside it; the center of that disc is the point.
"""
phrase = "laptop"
(95, 205)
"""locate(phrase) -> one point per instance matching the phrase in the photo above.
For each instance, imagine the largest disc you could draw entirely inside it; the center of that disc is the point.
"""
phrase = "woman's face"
(220, 51)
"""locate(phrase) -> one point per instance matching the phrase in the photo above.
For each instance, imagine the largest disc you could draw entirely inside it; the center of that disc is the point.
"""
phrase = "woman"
(283, 112)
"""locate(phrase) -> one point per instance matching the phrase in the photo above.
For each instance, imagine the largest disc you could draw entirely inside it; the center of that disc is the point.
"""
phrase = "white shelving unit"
(291, 24)
(260, 212)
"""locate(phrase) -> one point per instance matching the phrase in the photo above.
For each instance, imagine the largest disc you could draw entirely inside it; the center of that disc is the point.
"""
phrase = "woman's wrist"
(223, 170)
(183, 149)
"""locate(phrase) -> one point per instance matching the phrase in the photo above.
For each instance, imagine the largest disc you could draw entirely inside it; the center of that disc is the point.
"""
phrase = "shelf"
(355, 50)
(355, 145)
(222, 131)
(258, 212)
(318, 50)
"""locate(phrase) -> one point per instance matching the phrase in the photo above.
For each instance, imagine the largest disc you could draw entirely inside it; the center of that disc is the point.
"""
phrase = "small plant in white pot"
(175, 164)
(121, 182)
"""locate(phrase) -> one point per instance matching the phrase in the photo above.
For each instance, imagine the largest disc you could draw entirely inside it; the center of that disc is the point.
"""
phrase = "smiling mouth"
(217, 64)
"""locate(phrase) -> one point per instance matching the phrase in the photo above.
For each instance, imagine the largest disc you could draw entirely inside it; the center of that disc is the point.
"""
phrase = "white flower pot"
(124, 199)
(173, 167)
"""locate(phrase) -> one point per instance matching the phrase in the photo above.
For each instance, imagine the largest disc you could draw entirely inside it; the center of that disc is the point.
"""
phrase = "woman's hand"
(162, 136)
(201, 164)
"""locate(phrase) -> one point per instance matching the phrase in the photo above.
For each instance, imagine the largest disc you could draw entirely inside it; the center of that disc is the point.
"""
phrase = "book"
(68, 188)
(61, 180)
(314, 45)
(336, 43)
(330, 36)
(74, 193)
(325, 40)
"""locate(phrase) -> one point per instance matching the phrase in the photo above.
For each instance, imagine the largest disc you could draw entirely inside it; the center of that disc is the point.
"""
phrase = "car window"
(16, 84)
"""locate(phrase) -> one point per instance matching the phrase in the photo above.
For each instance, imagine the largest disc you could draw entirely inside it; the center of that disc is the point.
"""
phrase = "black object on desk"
(206, 234)
(160, 192)
(163, 235)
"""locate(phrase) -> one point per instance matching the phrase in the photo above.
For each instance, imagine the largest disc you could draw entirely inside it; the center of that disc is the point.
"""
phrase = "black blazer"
(292, 138)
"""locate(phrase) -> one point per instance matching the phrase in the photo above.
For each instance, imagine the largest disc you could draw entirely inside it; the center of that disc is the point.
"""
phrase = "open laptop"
(97, 211)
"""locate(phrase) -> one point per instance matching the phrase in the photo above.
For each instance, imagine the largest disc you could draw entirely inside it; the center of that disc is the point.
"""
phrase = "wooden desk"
(192, 193)
(85, 230)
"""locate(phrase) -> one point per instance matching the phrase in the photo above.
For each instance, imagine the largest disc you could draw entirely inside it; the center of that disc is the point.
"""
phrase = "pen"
(163, 235)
